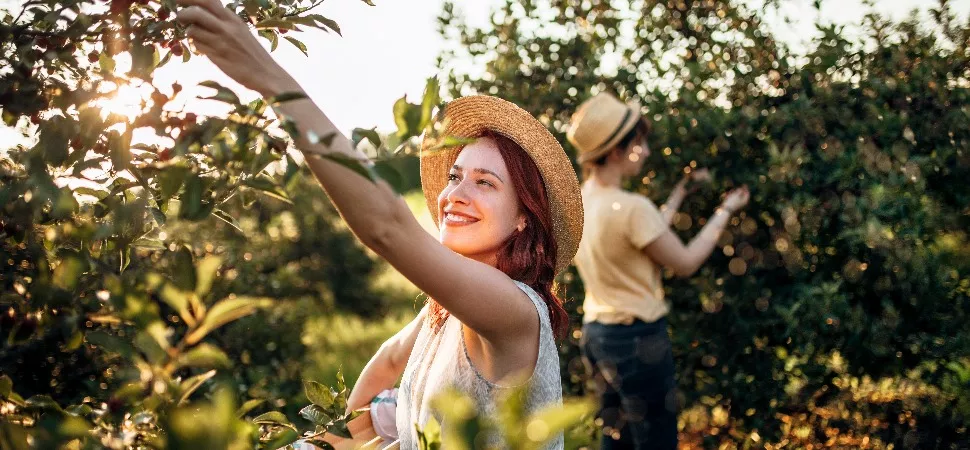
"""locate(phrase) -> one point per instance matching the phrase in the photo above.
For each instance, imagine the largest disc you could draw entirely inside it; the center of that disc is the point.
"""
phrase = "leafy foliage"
(848, 274)
(113, 301)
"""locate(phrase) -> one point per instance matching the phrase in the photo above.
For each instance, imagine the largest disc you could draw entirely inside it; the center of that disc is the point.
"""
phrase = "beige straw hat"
(599, 124)
(468, 117)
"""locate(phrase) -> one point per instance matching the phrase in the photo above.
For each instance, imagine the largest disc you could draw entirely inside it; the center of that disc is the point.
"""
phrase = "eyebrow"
(479, 170)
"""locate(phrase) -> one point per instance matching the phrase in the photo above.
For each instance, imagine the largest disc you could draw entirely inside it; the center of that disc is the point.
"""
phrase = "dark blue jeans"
(633, 368)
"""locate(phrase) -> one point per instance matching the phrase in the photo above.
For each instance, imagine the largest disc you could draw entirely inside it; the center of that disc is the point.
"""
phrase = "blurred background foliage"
(834, 309)
(833, 312)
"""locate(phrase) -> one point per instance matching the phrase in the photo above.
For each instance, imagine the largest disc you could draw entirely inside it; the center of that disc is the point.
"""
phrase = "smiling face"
(478, 210)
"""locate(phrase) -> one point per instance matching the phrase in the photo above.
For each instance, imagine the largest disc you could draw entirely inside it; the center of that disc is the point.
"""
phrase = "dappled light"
(127, 100)
(174, 277)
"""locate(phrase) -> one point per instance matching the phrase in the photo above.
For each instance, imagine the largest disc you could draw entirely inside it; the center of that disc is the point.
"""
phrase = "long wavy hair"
(528, 256)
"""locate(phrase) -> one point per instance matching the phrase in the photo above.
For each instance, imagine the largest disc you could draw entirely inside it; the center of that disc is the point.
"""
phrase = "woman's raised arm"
(471, 291)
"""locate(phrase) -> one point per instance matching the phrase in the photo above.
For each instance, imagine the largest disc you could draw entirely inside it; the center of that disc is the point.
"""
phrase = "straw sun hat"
(599, 124)
(468, 117)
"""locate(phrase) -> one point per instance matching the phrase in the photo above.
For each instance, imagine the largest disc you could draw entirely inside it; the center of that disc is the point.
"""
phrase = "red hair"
(528, 256)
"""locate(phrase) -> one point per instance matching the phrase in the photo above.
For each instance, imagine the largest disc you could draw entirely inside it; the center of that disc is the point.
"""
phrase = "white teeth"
(457, 218)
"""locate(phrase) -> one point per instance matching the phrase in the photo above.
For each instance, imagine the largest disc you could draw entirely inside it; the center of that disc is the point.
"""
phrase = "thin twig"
(22, 11)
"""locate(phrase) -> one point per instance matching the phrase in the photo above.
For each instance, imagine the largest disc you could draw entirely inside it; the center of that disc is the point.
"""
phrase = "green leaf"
(286, 97)
(205, 356)
(96, 193)
(272, 418)
(326, 139)
(158, 215)
(249, 406)
(227, 310)
(177, 299)
(359, 134)
(170, 180)
(205, 272)
(54, 138)
(153, 352)
(189, 385)
(298, 44)
(184, 274)
(6, 386)
(289, 177)
(315, 414)
(202, 424)
(68, 271)
(276, 23)
(73, 427)
(281, 437)
(341, 384)
(326, 22)
(229, 220)
(354, 164)
(339, 428)
(80, 410)
(267, 186)
(318, 394)
(407, 117)
(430, 100)
(124, 255)
(252, 7)
(448, 142)
(158, 331)
(106, 62)
(559, 417)
(130, 391)
(223, 93)
(13, 437)
(42, 403)
(191, 207)
(143, 59)
(272, 36)
(63, 204)
(148, 243)
(389, 174)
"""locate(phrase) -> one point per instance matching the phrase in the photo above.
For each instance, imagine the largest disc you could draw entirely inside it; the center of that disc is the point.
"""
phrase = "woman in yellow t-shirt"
(626, 241)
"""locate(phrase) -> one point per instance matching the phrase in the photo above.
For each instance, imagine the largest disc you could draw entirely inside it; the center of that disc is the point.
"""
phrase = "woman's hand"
(222, 36)
(736, 199)
(700, 175)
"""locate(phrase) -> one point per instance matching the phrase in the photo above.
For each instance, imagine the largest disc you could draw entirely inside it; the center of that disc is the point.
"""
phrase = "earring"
(521, 227)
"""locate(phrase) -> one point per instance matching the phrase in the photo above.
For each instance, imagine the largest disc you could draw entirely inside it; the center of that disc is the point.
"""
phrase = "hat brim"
(469, 117)
(631, 121)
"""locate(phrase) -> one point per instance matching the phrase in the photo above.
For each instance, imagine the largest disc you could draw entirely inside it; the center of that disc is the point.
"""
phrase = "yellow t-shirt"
(622, 282)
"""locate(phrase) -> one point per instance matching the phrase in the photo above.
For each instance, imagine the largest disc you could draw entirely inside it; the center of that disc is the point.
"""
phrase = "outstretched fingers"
(204, 42)
(214, 7)
(199, 19)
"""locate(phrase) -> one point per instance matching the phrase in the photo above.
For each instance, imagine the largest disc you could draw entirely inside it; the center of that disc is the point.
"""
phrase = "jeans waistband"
(638, 327)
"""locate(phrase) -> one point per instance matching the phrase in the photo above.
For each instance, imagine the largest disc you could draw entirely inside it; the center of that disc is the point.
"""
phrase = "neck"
(607, 175)
(490, 258)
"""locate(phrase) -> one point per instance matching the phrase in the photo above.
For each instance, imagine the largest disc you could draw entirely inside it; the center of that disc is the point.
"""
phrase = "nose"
(456, 193)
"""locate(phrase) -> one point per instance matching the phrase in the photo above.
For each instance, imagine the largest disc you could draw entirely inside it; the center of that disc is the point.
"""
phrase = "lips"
(457, 219)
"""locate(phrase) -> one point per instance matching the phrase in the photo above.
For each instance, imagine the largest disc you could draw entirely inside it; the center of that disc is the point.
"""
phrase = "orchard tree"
(108, 302)
(834, 310)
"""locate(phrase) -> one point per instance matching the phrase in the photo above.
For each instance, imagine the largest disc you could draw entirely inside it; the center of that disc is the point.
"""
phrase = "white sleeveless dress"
(440, 360)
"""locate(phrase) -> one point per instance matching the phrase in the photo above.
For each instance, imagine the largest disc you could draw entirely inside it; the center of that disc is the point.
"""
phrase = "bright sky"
(389, 50)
